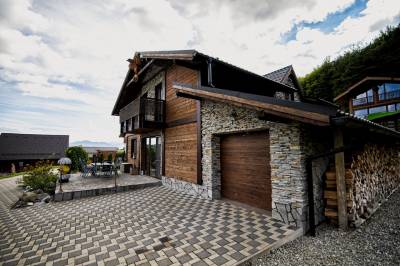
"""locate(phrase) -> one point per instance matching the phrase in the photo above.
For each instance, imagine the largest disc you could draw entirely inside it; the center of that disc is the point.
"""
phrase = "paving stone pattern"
(150, 226)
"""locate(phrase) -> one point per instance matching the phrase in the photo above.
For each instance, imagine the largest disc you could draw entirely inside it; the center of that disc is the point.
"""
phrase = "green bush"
(41, 176)
(110, 157)
(76, 154)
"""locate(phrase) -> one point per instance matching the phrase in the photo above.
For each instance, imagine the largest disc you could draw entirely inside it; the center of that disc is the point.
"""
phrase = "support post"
(340, 180)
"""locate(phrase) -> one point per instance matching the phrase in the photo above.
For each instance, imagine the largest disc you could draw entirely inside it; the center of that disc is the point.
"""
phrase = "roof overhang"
(269, 105)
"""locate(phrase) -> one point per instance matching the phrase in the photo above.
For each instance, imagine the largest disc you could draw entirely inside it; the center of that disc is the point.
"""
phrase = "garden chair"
(86, 170)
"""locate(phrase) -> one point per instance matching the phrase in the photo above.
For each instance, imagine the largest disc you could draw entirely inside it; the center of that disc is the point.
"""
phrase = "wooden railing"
(381, 97)
(142, 113)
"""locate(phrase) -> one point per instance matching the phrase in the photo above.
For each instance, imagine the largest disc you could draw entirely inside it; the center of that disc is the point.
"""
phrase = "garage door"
(245, 169)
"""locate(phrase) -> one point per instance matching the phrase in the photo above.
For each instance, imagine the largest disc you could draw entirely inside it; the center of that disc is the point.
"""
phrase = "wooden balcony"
(142, 115)
(381, 98)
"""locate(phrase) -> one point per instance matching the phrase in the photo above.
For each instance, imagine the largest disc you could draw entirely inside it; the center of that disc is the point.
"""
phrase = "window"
(361, 113)
(362, 95)
(133, 148)
(378, 109)
(391, 107)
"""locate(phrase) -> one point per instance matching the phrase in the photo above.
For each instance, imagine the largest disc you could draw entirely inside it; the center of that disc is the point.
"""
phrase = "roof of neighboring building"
(283, 75)
(32, 146)
(364, 85)
(188, 56)
(96, 149)
(279, 75)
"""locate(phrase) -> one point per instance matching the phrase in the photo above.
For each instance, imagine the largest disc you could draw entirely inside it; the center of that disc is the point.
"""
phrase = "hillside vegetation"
(379, 58)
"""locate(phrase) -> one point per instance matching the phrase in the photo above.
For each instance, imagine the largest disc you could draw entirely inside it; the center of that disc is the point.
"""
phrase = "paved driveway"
(151, 226)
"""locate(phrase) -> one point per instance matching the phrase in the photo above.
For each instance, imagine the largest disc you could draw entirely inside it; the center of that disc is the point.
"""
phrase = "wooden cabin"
(214, 130)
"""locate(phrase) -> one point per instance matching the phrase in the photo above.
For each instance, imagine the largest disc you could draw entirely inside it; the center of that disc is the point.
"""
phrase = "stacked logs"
(374, 173)
(330, 194)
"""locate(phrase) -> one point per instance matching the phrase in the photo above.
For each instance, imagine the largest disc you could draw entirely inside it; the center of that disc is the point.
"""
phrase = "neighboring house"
(22, 149)
(97, 151)
(374, 98)
(288, 77)
(215, 130)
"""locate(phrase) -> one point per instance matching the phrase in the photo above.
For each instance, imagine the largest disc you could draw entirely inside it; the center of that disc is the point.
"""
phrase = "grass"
(380, 115)
(12, 175)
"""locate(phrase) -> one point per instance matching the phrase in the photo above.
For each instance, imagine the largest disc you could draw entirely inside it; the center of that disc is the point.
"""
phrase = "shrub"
(41, 176)
(110, 157)
(76, 154)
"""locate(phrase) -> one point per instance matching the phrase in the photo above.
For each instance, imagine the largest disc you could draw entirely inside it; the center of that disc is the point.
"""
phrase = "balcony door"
(152, 156)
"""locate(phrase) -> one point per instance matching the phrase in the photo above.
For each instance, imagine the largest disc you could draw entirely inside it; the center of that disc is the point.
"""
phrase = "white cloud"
(55, 52)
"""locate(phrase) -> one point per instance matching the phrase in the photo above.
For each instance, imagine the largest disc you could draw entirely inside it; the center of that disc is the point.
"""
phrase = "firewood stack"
(373, 175)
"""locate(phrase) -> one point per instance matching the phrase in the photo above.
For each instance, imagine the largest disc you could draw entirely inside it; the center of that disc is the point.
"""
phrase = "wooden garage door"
(245, 169)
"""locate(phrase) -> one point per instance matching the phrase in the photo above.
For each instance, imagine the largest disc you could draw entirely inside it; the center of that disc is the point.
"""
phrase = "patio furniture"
(107, 168)
(86, 170)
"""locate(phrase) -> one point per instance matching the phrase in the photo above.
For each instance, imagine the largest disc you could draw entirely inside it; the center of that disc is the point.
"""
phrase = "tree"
(379, 58)
(76, 154)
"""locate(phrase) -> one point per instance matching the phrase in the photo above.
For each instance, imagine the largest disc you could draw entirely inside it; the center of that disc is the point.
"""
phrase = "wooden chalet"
(374, 98)
(214, 130)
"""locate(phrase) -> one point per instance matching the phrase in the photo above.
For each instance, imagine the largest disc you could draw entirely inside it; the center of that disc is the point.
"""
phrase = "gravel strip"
(376, 242)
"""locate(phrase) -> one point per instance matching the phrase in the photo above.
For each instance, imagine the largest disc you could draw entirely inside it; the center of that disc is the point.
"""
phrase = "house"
(374, 98)
(98, 151)
(214, 130)
(19, 150)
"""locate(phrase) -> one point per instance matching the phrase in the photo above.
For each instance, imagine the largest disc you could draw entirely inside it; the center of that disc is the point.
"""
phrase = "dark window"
(133, 148)
(361, 113)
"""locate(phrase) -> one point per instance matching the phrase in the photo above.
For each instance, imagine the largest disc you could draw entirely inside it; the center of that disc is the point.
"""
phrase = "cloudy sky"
(62, 62)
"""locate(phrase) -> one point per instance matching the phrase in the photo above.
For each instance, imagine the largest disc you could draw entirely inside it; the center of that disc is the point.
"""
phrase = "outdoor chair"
(86, 170)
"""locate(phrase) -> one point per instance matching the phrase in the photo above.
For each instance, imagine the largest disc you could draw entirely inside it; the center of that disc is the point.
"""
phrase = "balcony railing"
(381, 97)
(362, 101)
(389, 95)
(142, 114)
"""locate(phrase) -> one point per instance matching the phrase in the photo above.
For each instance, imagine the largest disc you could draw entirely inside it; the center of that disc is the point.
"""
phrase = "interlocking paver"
(149, 226)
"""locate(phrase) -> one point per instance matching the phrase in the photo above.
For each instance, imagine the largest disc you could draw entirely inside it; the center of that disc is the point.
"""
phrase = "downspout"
(209, 73)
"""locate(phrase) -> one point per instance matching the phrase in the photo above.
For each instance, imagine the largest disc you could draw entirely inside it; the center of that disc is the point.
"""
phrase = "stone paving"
(149, 226)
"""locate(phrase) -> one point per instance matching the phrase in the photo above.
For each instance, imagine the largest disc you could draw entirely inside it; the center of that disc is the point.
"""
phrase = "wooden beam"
(273, 109)
(340, 179)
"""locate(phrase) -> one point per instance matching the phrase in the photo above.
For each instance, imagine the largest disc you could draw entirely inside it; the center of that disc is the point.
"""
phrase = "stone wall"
(150, 85)
(289, 198)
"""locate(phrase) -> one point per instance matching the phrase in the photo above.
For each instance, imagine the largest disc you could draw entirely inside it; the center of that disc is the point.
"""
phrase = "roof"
(363, 85)
(280, 74)
(32, 146)
(315, 114)
(286, 76)
(352, 121)
(96, 149)
(298, 111)
(189, 55)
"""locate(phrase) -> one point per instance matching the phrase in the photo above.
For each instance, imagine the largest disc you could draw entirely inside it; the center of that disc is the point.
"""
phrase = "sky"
(62, 63)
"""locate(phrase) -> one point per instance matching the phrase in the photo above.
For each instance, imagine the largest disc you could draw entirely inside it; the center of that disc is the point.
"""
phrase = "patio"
(150, 226)
(81, 187)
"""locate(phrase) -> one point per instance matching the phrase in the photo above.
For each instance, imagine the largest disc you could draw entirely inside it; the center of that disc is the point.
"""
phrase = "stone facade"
(288, 174)
(149, 87)
(290, 143)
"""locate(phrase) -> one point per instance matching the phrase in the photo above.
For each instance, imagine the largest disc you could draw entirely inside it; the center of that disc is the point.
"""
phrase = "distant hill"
(88, 143)
(379, 58)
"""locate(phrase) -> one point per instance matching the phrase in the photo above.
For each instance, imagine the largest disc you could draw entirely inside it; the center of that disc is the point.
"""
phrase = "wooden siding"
(245, 169)
(181, 136)
(181, 152)
(179, 108)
